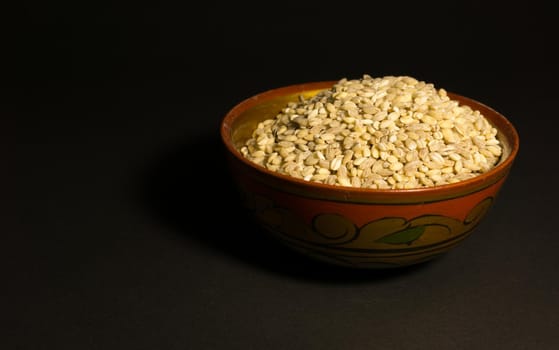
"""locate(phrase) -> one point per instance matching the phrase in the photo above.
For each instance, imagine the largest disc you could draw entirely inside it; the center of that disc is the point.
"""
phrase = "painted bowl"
(358, 227)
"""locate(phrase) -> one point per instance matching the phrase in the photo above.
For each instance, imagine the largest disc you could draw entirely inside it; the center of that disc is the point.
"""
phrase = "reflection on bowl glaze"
(356, 227)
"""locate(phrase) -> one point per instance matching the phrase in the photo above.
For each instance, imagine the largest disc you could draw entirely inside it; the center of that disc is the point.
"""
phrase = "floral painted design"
(386, 241)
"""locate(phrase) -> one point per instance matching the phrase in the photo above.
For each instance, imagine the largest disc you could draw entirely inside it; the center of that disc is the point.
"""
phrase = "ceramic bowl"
(357, 227)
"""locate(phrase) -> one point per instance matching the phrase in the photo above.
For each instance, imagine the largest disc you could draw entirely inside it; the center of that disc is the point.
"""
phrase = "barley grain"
(386, 132)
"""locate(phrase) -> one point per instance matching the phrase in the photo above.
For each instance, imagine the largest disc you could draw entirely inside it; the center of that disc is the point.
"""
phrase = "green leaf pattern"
(406, 236)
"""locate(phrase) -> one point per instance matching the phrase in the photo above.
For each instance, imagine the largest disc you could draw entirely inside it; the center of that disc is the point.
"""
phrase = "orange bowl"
(359, 227)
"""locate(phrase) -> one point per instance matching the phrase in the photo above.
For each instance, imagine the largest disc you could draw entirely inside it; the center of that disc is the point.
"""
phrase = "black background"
(122, 228)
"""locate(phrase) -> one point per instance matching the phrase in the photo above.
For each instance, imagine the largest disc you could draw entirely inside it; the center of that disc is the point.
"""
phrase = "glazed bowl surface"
(359, 227)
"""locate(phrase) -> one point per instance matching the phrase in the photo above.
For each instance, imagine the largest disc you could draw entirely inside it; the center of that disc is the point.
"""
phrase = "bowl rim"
(469, 185)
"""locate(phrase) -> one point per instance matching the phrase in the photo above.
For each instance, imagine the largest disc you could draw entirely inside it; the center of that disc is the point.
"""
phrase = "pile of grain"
(391, 132)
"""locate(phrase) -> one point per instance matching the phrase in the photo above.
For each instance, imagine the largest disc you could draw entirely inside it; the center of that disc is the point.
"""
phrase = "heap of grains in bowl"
(391, 132)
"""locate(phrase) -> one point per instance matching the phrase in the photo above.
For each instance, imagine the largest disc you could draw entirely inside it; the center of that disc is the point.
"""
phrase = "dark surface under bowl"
(122, 229)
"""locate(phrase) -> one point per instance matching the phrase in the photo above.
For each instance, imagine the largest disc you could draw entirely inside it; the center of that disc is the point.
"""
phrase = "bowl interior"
(264, 106)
